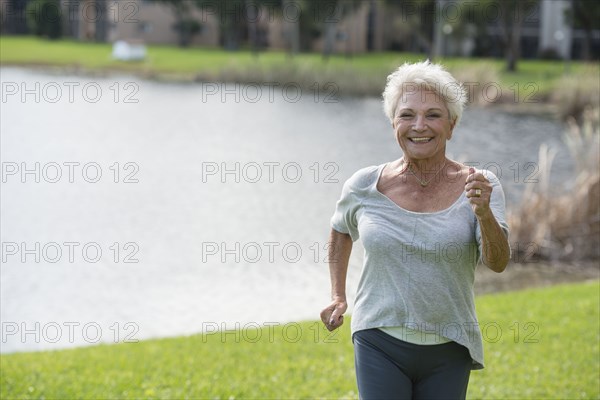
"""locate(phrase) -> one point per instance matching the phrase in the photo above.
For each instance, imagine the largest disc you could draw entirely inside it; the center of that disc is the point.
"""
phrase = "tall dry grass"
(331, 81)
(574, 93)
(477, 79)
(563, 227)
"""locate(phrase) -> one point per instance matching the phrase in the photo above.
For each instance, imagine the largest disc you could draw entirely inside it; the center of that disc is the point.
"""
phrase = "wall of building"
(555, 33)
(153, 23)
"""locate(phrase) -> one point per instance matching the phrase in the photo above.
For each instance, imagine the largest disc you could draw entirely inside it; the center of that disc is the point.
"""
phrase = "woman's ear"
(452, 123)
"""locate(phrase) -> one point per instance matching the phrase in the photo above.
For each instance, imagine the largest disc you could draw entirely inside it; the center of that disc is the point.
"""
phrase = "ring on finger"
(478, 192)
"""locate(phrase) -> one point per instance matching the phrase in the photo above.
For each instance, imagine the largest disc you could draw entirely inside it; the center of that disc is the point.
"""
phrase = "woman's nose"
(419, 124)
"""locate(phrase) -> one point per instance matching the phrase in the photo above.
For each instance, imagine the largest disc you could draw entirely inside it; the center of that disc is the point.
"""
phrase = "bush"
(186, 29)
(564, 227)
(549, 53)
(576, 92)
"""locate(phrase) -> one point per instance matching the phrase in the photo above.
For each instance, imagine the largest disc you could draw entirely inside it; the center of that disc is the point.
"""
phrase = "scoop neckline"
(374, 188)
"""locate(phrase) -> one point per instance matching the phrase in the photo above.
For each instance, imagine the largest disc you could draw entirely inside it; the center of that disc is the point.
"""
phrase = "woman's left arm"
(494, 243)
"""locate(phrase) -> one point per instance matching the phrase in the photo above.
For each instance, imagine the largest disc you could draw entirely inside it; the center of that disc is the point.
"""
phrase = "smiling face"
(422, 125)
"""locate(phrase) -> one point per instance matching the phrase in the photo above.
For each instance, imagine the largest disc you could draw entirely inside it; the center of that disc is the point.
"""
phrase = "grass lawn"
(539, 343)
(361, 74)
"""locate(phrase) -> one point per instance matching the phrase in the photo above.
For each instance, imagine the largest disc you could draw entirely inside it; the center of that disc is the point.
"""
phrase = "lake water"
(134, 209)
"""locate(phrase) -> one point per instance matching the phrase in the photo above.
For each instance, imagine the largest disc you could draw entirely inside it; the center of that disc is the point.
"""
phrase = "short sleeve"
(344, 219)
(498, 207)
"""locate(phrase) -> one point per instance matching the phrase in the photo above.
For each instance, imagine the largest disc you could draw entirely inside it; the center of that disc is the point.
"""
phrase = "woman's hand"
(332, 315)
(479, 192)
(338, 257)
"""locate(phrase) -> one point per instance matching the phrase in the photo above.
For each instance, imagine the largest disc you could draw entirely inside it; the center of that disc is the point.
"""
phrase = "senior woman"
(425, 222)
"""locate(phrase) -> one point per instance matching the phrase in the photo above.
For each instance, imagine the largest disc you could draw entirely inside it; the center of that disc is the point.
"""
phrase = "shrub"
(574, 93)
(564, 227)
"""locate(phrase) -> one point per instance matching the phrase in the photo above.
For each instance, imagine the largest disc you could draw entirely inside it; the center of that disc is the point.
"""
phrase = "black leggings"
(389, 368)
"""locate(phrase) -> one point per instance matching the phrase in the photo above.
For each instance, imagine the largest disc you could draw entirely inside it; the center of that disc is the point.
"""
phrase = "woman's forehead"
(422, 98)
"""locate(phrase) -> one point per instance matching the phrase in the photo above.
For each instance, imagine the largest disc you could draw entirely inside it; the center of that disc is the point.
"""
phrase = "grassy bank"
(541, 343)
(362, 74)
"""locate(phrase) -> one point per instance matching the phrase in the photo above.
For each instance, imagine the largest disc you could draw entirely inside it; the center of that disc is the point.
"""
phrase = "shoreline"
(515, 279)
(521, 276)
(539, 107)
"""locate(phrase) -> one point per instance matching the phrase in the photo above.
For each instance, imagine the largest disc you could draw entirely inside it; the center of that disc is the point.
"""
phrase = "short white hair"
(424, 75)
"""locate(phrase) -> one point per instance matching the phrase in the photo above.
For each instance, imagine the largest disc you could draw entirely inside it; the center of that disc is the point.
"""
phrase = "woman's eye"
(433, 116)
(405, 116)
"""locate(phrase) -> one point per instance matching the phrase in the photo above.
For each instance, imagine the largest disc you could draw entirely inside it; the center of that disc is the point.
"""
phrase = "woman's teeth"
(420, 140)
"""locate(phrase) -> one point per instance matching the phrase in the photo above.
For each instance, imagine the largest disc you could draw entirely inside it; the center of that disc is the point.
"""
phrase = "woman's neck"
(424, 166)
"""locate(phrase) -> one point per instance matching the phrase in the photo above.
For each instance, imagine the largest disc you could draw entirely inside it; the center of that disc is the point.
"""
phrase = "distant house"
(144, 21)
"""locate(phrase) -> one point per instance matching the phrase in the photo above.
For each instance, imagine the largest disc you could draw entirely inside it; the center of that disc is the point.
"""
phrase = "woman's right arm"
(340, 247)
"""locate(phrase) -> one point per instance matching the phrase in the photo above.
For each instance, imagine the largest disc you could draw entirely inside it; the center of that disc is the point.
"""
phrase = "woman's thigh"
(378, 376)
(445, 373)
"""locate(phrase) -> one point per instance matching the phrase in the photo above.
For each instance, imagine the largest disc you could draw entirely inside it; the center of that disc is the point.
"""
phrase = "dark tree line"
(303, 20)
(306, 20)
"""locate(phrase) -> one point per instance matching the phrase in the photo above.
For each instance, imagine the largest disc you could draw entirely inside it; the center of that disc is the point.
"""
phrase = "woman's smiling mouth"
(420, 139)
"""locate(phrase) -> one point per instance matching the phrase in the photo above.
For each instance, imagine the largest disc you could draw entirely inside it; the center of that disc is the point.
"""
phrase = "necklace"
(422, 182)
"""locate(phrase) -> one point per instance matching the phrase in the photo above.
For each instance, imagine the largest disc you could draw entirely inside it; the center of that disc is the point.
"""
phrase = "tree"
(418, 19)
(185, 25)
(44, 18)
(231, 19)
(585, 15)
(513, 14)
(321, 18)
(292, 27)
(506, 17)
(237, 17)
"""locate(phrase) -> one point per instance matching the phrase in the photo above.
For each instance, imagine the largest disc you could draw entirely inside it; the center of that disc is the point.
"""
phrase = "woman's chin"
(419, 155)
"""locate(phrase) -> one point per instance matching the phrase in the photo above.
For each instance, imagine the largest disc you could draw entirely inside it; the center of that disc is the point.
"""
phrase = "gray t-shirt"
(419, 267)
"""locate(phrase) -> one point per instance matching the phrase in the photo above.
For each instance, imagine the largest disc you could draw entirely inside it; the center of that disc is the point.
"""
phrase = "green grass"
(556, 352)
(361, 74)
(548, 348)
